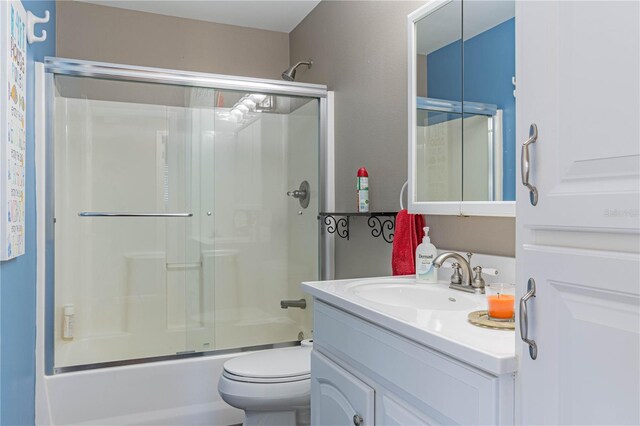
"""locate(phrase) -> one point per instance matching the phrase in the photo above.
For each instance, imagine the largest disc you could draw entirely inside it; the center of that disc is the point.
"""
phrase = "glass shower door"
(124, 267)
(257, 243)
(174, 233)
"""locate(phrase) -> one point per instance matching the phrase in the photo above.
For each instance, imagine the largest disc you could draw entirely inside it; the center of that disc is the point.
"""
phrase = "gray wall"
(99, 33)
(359, 49)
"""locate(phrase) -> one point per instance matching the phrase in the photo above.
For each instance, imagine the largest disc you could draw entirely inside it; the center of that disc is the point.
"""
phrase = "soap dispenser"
(425, 253)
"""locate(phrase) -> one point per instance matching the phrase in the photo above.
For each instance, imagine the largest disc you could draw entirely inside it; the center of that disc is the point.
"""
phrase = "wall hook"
(32, 20)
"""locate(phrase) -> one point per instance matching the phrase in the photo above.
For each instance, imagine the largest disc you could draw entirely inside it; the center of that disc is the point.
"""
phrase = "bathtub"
(177, 392)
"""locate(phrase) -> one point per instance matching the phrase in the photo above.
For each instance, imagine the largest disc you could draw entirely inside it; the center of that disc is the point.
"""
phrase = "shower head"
(290, 73)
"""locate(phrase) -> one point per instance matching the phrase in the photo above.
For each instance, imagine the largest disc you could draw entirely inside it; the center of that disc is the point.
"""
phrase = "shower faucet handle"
(296, 193)
(303, 194)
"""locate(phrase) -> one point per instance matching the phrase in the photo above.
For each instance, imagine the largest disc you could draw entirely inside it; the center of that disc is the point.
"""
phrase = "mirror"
(464, 130)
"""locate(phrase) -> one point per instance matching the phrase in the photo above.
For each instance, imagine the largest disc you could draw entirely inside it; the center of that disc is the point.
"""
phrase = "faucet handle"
(478, 281)
(489, 271)
(456, 277)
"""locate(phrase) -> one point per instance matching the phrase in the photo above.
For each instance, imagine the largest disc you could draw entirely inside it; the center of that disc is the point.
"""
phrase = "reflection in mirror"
(466, 104)
(439, 127)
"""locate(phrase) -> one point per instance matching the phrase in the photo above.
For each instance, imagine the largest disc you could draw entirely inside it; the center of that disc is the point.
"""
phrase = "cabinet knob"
(357, 420)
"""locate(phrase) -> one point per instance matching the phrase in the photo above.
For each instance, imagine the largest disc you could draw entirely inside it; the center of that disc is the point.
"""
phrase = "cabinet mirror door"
(438, 116)
(489, 60)
(462, 103)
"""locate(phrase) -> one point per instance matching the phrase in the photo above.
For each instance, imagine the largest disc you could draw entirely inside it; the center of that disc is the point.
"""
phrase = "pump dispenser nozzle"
(426, 238)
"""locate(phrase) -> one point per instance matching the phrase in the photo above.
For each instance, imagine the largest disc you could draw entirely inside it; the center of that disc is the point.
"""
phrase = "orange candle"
(501, 305)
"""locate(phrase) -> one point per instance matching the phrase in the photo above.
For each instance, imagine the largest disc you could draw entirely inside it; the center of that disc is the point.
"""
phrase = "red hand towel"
(407, 235)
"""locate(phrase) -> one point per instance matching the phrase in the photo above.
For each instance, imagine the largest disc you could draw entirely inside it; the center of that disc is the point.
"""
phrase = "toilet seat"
(271, 366)
(245, 379)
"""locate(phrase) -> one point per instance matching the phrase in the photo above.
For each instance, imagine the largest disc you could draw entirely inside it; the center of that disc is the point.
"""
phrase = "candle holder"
(501, 301)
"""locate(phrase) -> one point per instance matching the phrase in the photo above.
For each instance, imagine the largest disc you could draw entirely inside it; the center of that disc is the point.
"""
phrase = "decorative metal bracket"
(382, 227)
(382, 224)
(339, 226)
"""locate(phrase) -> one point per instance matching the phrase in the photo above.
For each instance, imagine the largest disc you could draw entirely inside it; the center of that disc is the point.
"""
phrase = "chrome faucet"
(470, 284)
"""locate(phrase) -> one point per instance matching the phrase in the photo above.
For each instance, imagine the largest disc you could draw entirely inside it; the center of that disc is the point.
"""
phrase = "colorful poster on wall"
(13, 136)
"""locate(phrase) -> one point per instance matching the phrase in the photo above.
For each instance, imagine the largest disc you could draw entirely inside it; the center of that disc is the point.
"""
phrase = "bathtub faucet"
(300, 303)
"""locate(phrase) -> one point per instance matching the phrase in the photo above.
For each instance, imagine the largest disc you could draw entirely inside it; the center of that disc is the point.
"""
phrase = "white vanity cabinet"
(365, 374)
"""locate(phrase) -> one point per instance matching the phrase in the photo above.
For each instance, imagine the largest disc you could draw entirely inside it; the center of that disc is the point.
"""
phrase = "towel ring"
(402, 192)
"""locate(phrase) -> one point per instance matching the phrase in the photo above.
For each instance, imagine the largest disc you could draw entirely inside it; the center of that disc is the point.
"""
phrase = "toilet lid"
(271, 365)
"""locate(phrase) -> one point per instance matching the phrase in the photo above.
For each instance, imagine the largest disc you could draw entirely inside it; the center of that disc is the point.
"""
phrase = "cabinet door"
(392, 412)
(337, 397)
(586, 325)
(577, 67)
(577, 70)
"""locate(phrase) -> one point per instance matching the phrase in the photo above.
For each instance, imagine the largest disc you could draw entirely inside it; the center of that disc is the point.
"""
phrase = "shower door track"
(79, 68)
(177, 356)
(119, 72)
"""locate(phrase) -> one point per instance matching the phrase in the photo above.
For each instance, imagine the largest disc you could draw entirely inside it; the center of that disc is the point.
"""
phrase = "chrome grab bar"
(525, 164)
(524, 319)
(130, 214)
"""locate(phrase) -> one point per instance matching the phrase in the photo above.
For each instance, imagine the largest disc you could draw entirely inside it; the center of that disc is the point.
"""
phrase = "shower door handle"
(131, 214)
(525, 165)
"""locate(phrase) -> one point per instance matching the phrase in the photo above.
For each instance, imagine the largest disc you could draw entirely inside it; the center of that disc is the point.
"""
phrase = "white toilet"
(273, 387)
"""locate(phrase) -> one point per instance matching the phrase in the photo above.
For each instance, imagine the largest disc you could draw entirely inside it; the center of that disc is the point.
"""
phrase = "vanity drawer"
(444, 389)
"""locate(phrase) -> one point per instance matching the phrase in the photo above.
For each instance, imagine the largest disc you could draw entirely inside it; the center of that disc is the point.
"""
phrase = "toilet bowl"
(273, 387)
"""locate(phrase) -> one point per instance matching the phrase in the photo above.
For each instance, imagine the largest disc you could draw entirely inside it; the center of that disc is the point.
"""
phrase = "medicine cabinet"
(462, 108)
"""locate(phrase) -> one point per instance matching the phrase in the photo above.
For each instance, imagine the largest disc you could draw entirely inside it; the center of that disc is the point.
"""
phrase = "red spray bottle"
(362, 187)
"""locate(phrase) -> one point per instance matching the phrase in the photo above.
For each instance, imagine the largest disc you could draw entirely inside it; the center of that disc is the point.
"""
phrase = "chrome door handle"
(525, 165)
(524, 319)
(357, 420)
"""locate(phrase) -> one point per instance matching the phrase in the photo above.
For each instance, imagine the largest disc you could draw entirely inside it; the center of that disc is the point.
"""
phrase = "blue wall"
(489, 64)
(444, 72)
(18, 276)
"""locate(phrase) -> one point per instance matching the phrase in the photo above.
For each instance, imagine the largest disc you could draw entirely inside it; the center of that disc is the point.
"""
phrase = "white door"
(337, 397)
(577, 67)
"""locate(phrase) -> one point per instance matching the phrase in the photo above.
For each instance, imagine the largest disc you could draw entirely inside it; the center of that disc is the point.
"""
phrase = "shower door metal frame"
(118, 72)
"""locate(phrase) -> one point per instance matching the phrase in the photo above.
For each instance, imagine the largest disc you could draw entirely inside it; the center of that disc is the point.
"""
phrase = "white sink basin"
(418, 296)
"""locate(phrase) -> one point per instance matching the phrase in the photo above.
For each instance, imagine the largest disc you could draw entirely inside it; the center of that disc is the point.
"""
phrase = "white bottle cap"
(426, 238)
(69, 309)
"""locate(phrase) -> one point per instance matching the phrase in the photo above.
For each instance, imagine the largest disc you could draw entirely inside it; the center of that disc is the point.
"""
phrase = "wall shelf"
(382, 224)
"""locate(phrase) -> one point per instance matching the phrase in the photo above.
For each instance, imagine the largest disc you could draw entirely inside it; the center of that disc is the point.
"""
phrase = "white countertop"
(447, 331)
